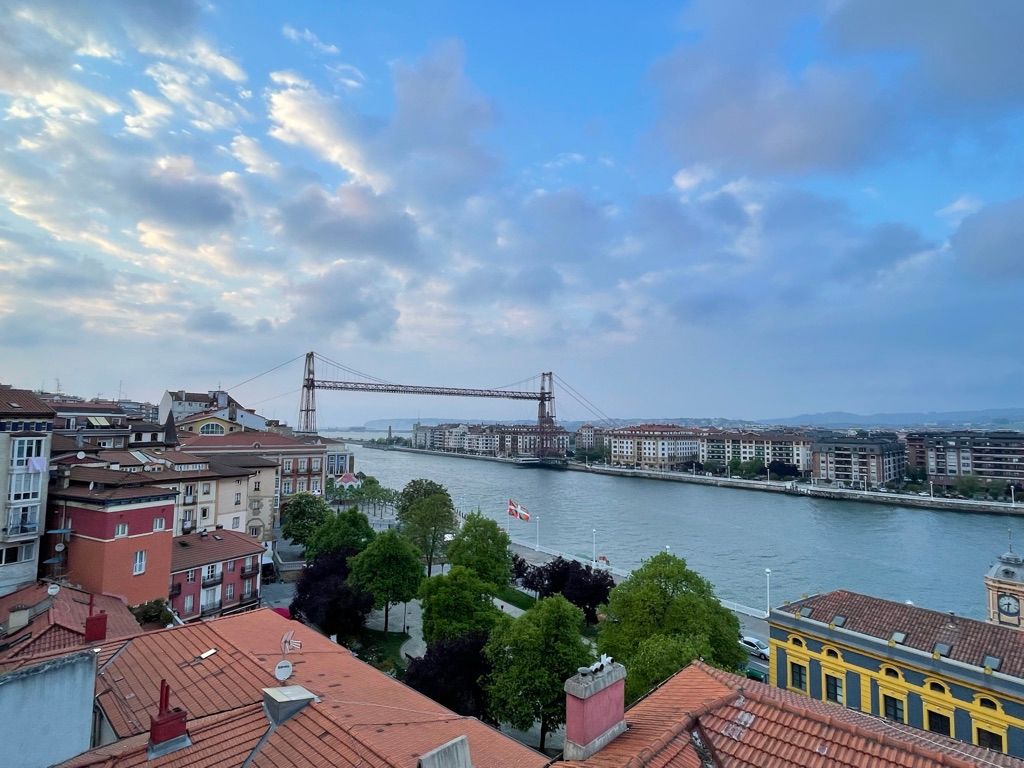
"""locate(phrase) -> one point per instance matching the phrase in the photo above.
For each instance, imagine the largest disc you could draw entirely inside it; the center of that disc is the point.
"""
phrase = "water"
(935, 559)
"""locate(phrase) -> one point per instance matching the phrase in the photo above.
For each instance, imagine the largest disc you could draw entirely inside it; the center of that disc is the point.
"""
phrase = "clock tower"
(1004, 587)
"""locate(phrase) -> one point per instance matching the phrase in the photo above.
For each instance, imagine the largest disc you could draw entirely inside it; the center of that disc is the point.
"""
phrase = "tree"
(735, 467)
(457, 604)
(780, 469)
(532, 657)
(752, 468)
(303, 513)
(587, 588)
(389, 569)
(520, 567)
(968, 485)
(664, 597)
(414, 491)
(659, 657)
(450, 673)
(348, 529)
(483, 547)
(426, 522)
(324, 597)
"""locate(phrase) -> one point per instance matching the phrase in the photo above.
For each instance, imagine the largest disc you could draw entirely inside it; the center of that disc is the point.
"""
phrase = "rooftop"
(706, 717)
(243, 441)
(969, 641)
(217, 546)
(21, 402)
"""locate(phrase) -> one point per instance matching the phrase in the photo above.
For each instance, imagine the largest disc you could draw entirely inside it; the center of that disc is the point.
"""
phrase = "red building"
(110, 533)
(213, 573)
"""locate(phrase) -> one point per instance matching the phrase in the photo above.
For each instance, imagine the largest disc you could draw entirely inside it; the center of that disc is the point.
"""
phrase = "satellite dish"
(58, 547)
(283, 670)
(53, 589)
(80, 455)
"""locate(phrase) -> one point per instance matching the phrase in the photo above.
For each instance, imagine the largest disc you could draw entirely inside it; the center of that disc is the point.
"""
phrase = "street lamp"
(931, 489)
(595, 548)
(768, 590)
(538, 532)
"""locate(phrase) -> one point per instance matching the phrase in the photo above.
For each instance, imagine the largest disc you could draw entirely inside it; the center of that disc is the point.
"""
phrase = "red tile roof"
(970, 641)
(246, 440)
(21, 402)
(363, 717)
(745, 724)
(59, 620)
(194, 550)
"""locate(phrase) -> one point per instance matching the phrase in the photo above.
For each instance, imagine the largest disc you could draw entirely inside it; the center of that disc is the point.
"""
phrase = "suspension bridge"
(357, 381)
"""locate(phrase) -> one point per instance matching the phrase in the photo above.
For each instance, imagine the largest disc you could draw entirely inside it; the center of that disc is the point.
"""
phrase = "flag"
(515, 509)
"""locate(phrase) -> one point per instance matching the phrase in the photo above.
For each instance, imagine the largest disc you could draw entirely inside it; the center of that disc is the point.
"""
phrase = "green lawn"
(380, 649)
(519, 599)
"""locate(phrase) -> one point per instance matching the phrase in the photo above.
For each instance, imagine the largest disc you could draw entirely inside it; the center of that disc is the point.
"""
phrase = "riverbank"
(790, 488)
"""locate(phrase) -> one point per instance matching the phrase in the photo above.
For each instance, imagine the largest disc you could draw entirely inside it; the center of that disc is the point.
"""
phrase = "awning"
(99, 421)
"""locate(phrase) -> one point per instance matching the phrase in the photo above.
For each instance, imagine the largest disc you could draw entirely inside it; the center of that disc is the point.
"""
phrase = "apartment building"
(262, 501)
(653, 446)
(859, 461)
(99, 424)
(26, 426)
(182, 403)
(723, 446)
(994, 456)
(214, 573)
(586, 437)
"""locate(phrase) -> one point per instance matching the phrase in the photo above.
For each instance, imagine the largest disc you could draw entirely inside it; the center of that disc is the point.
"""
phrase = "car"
(755, 674)
(755, 647)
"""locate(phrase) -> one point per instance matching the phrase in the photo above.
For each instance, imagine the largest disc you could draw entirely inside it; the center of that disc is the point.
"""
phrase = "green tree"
(455, 605)
(414, 491)
(483, 547)
(532, 657)
(968, 485)
(389, 569)
(348, 529)
(657, 658)
(426, 522)
(665, 597)
(735, 467)
(303, 513)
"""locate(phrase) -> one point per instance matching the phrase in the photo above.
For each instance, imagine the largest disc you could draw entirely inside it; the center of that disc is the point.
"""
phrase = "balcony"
(249, 570)
(21, 527)
(208, 608)
(188, 499)
(175, 590)
(249, 599)
(213, 581)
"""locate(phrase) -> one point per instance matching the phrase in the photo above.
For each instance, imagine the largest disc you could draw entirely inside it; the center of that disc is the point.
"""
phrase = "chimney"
(281, 703)
(454, 754)
(595, 700)
(96, 627)
(168, 731)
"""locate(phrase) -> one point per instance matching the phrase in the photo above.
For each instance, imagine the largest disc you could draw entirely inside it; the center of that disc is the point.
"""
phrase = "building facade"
(860, 461)
(103, 425)
(953, 676)
(995, 457)
(214, 573)
(721, 447)
(26, 426)
(653, 446)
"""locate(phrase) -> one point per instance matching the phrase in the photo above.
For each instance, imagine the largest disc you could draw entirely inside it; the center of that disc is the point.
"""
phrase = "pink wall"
(585, 720)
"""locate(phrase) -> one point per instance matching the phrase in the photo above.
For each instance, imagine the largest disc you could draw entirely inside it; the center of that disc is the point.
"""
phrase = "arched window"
(890, 672)
(937, 687)
(797, 642)
(211, 429)
(987, 703)
(832, 653)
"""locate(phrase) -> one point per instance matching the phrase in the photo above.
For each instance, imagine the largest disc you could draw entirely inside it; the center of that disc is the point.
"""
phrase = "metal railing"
(249, 570)
(208, 608)
(212, 581)
(175, 590)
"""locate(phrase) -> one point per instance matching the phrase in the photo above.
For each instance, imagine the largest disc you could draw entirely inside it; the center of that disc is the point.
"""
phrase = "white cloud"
(687, 179)
(250, 154)
(185, 89)
(959, 209)
(305, 36)
(199, 54)
(151, 113)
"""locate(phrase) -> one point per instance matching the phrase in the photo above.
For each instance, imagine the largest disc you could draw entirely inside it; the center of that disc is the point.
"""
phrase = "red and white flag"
(515, 509)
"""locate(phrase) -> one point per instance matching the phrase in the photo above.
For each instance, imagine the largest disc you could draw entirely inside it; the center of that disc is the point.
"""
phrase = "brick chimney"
(168, 731)
(96, 627)
(595, 703)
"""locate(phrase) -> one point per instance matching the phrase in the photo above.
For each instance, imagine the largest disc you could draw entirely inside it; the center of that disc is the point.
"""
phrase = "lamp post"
(931, 489)
(1013, 498)
(594, 560)
(768, 591)
(538, 533)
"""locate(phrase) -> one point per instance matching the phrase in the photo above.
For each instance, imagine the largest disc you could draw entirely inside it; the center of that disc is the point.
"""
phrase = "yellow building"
(947, 674)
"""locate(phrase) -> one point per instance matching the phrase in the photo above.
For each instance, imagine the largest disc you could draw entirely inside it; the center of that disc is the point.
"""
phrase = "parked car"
(755, 647)
(755, 674)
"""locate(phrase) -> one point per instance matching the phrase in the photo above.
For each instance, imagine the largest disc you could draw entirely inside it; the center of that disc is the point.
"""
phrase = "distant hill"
(992, 418)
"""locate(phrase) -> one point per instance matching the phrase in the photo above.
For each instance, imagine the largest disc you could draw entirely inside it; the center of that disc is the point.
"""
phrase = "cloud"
(305, 36)
(884, 249)
(187, 89)
(250, 154)
(175, 193)
(687, 179)
(956, 211)
(210, 321)
(352, 298)
(151, 113)
(988, 242)
(354, 222)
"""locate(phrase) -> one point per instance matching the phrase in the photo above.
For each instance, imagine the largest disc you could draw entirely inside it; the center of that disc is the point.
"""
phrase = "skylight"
(899, 637)
(839, 621)
(943, 649)
(806, 611)
(991, 662)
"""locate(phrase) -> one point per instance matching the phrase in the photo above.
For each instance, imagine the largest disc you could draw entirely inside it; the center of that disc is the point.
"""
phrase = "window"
(206, 489)
(287, 465)
(286, 487)
(302, 485)
(303, 465)
(139, 566)
(937, 687)
(25, 448)
(231, 566)
(189, 603)
(186, 515)
(315, 485)
(159, 523)
(204, 512)
(211, 572)
(832, 653)
(254, 531)
(190, 576)
(229, 593)
(797, 676)
(236, 522)
(938, 723)
(211, 429)
(238, 499)
(893, 708)
(834, 689)
(316, 465)
(890, 672)
(25, 487)
(121, 529)
(256, 486)
(990, 739)
(987, 703)
(247, 588)
(17, 554)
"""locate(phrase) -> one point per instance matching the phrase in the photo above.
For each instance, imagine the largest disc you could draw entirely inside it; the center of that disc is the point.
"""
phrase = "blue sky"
(704, 208)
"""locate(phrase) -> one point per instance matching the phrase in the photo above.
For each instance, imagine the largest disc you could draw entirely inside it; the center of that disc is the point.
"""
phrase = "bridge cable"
(271, 370)
(351, 370)
(576, 394)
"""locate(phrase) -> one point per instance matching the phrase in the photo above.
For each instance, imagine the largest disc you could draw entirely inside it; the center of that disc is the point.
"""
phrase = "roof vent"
(839, 621)
(218, 538)
(806, 611)
(454, 754)
(942, 649)
(281, 703)
(991, 662)
(899, 637)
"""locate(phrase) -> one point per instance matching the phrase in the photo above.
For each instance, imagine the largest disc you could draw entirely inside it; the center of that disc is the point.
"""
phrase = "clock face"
(1009, 605)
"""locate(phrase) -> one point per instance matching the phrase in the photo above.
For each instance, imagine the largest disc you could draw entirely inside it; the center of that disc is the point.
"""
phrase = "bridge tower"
(307, 411)
(546, 416)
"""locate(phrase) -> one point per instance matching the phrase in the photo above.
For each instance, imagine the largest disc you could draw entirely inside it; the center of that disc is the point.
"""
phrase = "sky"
(722, 209)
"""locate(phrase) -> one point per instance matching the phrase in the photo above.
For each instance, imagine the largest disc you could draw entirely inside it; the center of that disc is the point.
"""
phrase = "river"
(937, 559)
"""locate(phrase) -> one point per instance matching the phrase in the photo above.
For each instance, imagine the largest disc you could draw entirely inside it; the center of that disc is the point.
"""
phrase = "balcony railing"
(207, 608)
(249, 599)
(249, 570)
(22, 527)
(175, 590)
(213, 581)
(191, 499)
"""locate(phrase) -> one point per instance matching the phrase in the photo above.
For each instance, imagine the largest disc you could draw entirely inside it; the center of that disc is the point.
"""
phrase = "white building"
(653, 446)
